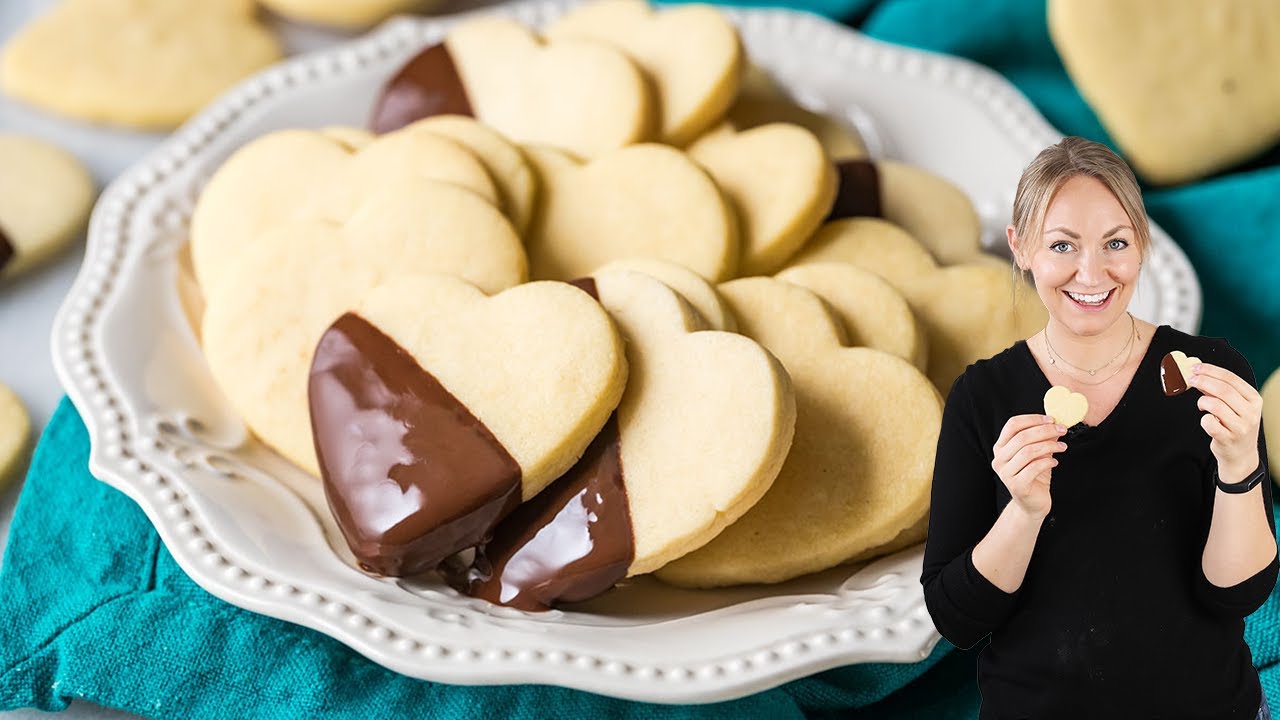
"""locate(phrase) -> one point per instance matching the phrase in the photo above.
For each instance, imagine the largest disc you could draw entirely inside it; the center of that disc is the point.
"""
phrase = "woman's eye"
(1054, 247)
(1123, 244)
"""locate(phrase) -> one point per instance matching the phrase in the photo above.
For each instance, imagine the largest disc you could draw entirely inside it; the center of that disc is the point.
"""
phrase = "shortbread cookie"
(781, 183)
(351, 14)
(763, 101)
(932, 209)
(468, 403)
(690, 285)
(45, 196)
(15, 432)
(861, 463)
(581, 96)
(691, 54)
(911, 536)
(262, 322)
(1185, 89)
(303, 175)
(351, 138)
(1271, 423)
(702, 431)
(969, 312)
(1175, 372)
(143, 63)
(516, 183)
(645, 200)
(874, 314)
(1065, 407)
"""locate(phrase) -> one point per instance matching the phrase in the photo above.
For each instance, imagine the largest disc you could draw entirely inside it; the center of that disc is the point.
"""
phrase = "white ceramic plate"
(255, 531)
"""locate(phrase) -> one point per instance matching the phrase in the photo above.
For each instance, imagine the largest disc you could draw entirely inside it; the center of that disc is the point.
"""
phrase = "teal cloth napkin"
(94, 607)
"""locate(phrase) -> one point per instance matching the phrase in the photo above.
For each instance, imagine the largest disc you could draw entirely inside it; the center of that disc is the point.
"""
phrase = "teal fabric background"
(94, 606)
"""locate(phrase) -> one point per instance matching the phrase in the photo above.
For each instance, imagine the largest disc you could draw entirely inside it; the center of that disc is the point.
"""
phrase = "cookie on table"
(691, 286)
(646, 200)
(779, 180)
(969, 311)
(873, 313)
(45, 197)
(691, 54)
(140, 63)
(469, 403)
(931, 208)
(1271, 421)
(861, 462)
(262, 322)
(583, 97)
(348, 14)
(700, 434)
(1184, 89)
(15, 432)
(304, 175)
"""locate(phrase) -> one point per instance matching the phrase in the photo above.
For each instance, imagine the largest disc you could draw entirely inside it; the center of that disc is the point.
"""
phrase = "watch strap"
(1243, 486)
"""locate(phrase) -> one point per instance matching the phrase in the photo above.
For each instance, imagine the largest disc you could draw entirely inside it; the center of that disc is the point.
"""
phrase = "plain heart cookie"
(45, 196)
(699, 436)
(1065, 407)
(580, 96)
(861, 463)
(15, 431)
(438, 409)
(1175, 372)
(691, 286)
(142, 63)
(781, 183)
(646, 200)
(1184, 88)
(691, 54)
(762, 101)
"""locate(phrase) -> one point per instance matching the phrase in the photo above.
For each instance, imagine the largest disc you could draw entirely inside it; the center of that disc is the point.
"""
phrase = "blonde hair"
(1056, 164)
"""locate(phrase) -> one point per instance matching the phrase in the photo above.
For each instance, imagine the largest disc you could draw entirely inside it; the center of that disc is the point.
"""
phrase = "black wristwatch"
(1244, 485)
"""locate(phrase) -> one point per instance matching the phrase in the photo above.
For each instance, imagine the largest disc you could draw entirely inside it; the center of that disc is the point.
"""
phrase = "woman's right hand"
(1024, 460)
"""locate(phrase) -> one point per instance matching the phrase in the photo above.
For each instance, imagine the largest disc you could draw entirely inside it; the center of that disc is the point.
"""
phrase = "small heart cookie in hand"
(1066, 407)
(1175, 372)
(141, 63)
(437, 409)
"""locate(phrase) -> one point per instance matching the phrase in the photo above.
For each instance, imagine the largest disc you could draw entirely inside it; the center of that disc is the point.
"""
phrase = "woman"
(1112, 563)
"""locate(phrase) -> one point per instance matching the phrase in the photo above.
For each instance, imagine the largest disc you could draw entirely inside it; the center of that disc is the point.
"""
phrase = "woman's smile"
(1095, 302)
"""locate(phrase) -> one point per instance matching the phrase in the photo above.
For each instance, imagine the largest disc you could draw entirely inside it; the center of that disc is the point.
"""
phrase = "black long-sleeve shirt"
(1114, 618)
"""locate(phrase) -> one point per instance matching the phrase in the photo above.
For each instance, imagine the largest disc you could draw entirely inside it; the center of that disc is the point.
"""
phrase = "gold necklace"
(1133, 333)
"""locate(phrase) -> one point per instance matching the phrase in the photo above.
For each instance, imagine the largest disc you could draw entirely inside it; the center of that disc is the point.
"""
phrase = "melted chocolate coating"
(857, 190)
(427, 85)
(410, 474)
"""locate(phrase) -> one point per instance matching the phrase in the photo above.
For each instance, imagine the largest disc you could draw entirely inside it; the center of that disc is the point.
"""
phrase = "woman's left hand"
(1233, 413)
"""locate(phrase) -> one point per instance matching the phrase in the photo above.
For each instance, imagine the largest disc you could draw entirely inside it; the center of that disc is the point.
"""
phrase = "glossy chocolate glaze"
(410, 474)
(6, 249)
(427, 85)
(1171, 376)
(857, 190)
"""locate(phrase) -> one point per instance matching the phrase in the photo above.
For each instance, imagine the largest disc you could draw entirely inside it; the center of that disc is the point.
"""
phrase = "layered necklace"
(1054, 355)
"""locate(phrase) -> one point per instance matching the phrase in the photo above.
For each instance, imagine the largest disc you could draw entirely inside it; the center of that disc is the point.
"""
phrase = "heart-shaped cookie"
(781, 183)
(15, 431)
(144, 63)
(690, 53)
(262, 322)
(45, 196)
(349, 14)
(581, 96)
(709, 405)
(861, 462)
(691, 286)
(1175, 372)
(645, 200)
(1064, 406)
(1184, 88)
(762, 101)
(437, 409)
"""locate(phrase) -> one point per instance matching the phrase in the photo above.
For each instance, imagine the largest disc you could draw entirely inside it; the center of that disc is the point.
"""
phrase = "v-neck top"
(1114, 618)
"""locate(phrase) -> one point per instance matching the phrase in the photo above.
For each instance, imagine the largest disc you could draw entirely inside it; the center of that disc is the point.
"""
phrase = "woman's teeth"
(1090, 299)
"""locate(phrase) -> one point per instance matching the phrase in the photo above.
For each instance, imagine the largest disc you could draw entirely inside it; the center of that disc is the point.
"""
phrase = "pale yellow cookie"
(969, 312)
(861, 462)
(691, 53)
(351, 14)
(45, 196)
(15, 432)
(143, 63)
(1271, 421)
(690, 285)
(261, 323)
(1185, 88)
(874, 314)
(781, 183)
(911, 536)
(1065, 407)
(349, 137)
(645, 200)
